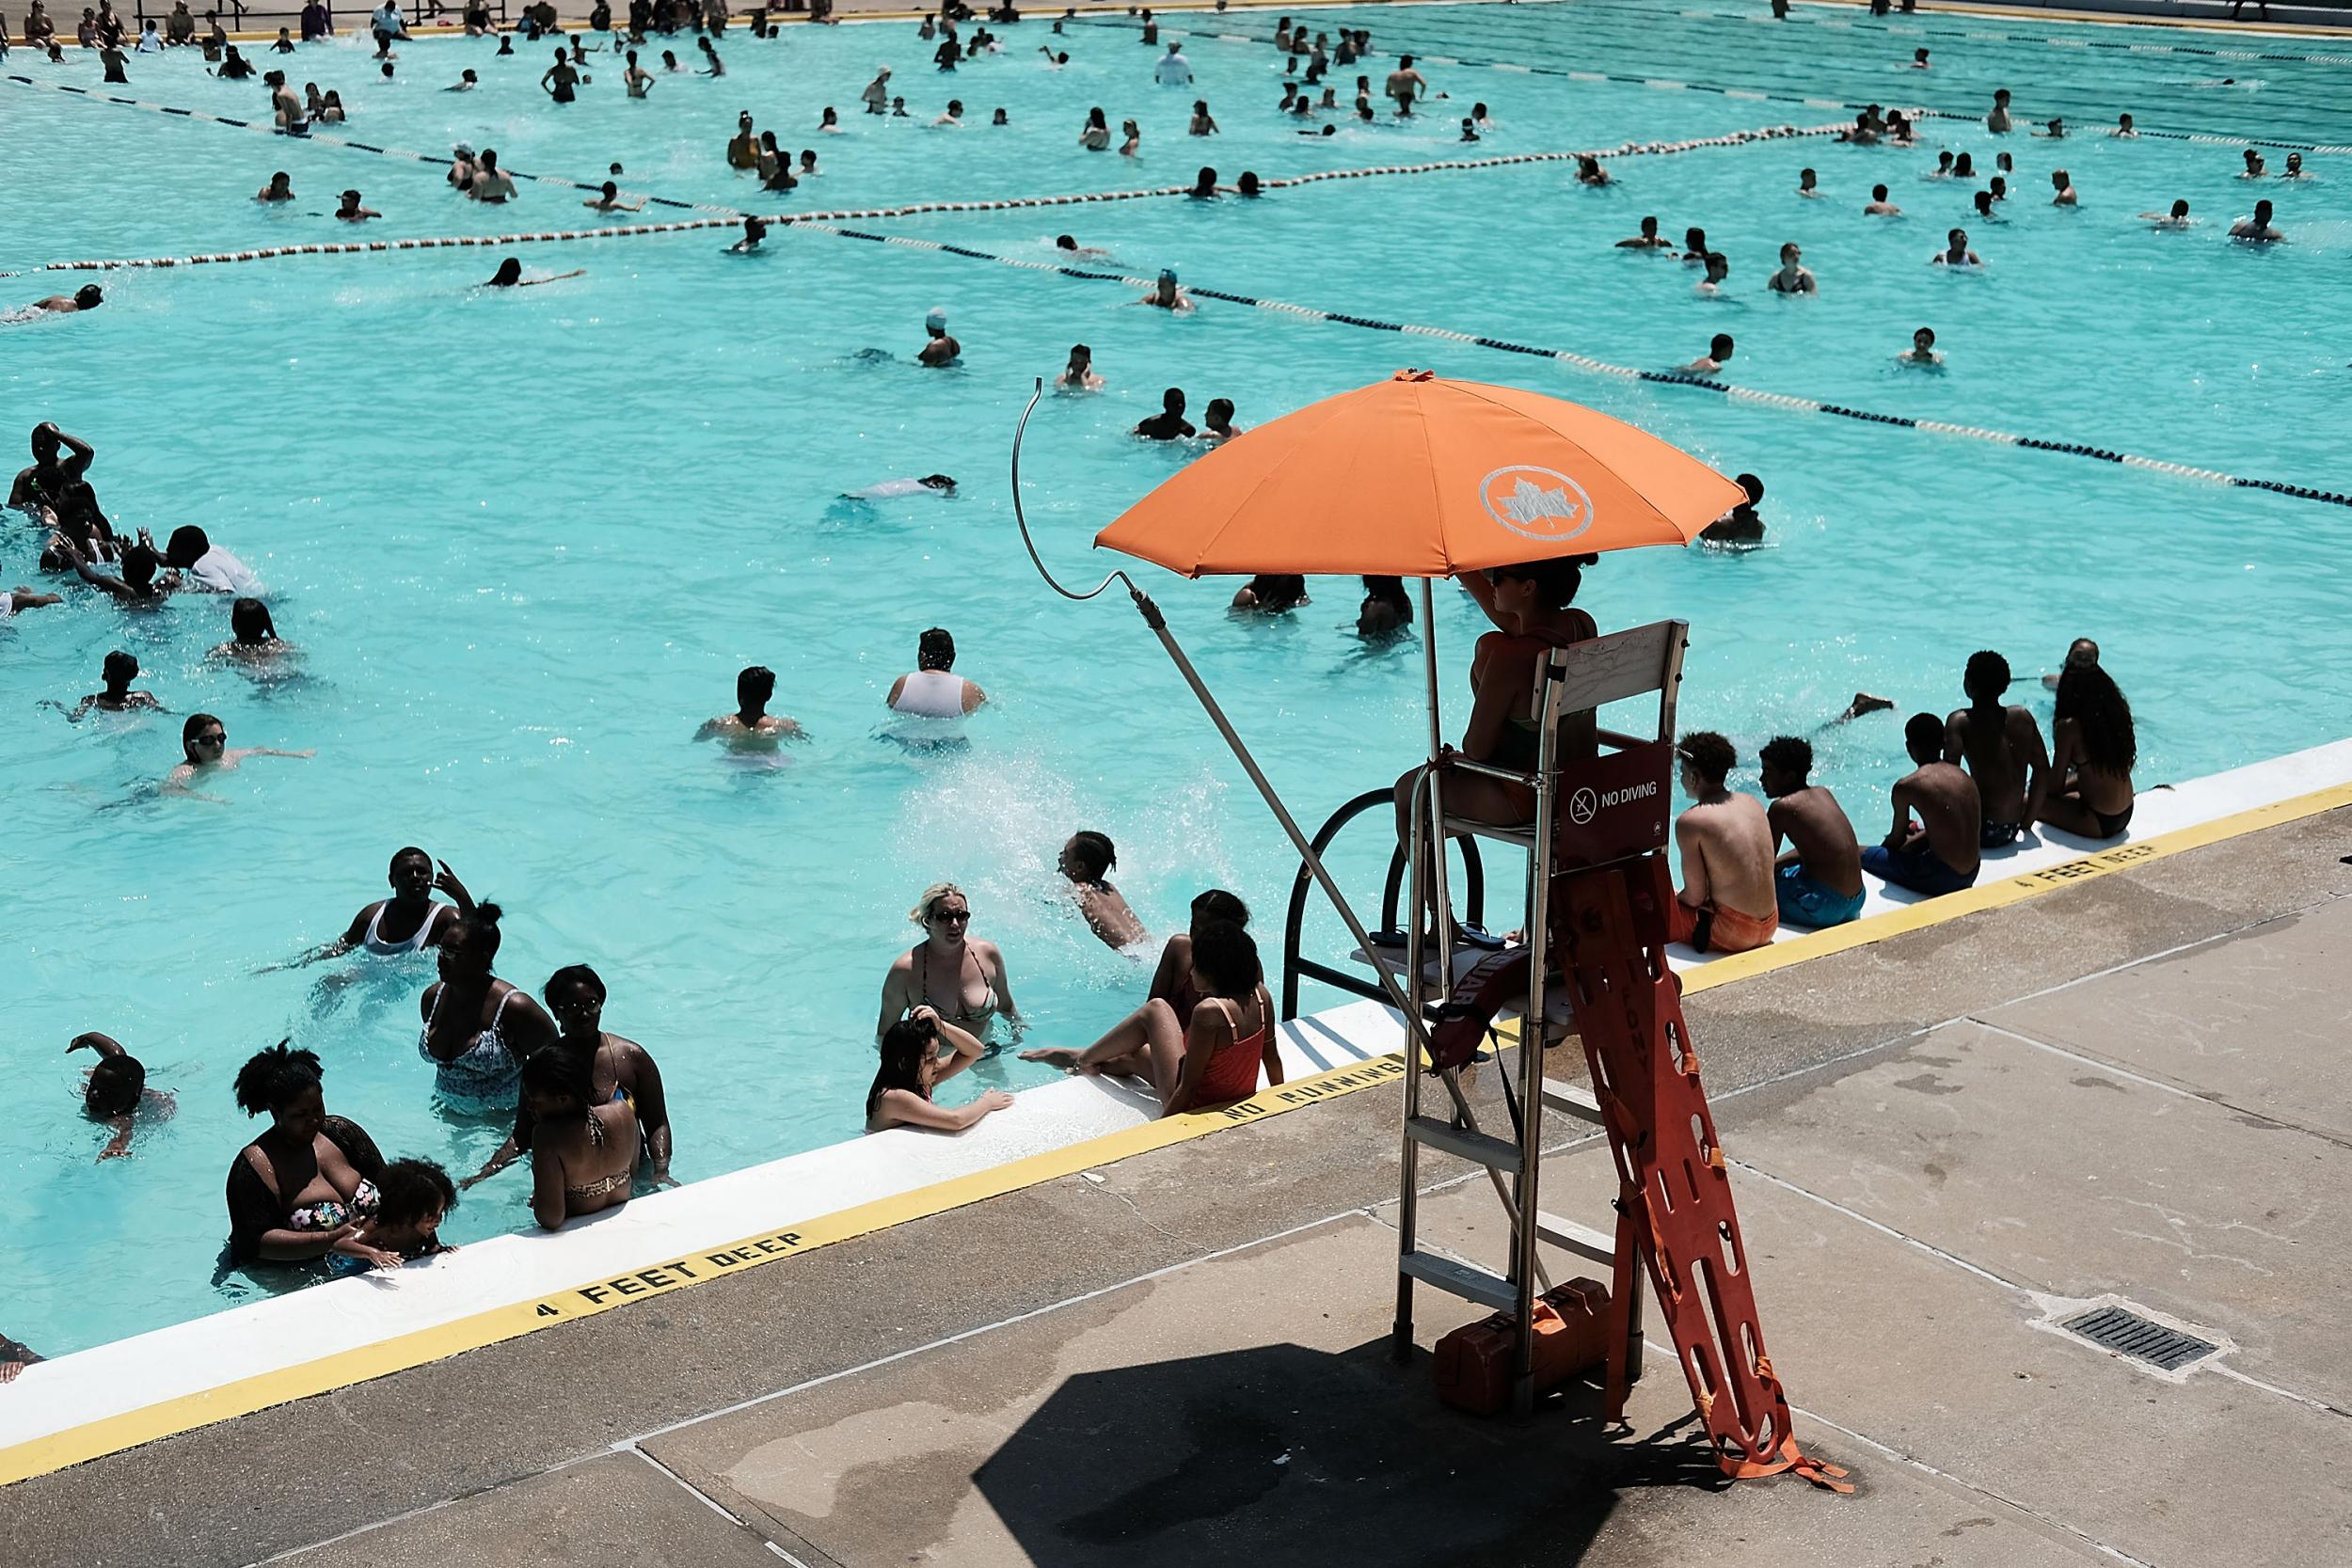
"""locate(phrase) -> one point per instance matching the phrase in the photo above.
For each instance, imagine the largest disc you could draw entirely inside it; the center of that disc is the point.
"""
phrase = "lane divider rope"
(728, 218)
(1625, 372)
(1670, 84)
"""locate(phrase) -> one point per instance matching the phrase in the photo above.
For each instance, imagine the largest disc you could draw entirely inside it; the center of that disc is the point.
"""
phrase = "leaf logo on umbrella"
(1537, 503)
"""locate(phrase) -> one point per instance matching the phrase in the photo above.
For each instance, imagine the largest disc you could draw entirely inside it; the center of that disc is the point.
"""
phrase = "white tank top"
(932, 694)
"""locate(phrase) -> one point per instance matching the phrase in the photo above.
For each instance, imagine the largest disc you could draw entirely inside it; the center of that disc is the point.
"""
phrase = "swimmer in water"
(1133, 137)
(939, 350)
(1718, 269)
(920, 1052)
(1404, 84)
(1470, 130)
(1984, 207)
(829, 123)
(1956, 252)
(1166, 294)
(1087, 859)
(718, 66)
(1919, 59)
(2055, 131)
(751, 727)
(1271, 593)
(115, 1091)
(953, 118)
(1096, 137)
(1997, 122)
(1202, 124)
(957, 975)
(88, 298)
(1965, 167)
(1203, 185)
(118, 671)
(1719, 351)
(408, 922)
(636, 79)
(1589, 172)
(2177, 219)
(1069, 246)
(754, 231)
(2064, 185)
(491, 183)
(205, 750)
(1880, 207)
(875, 95)
(1740, 525)
(510, 275)
(1793, 277)
(2124, 126)
(1216, 423)
(2257, 229)
(1079, 375)
(1169, 423)
(933, 690)
(1922, 352)
(1807, 185)
(254, 642)
(2254, 168)
(608, 199)
(280, 188)
(941, 485)
(1649, 239)
(1943, 169)
(145, 584)
(2294, 167)
(466, 81)
(1695, 251)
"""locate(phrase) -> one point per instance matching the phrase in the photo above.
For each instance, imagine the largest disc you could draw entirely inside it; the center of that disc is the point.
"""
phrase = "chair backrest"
(1611, 804)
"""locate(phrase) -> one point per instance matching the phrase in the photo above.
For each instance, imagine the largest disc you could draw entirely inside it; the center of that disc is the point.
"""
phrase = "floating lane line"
(727, 218)
(1783, 400)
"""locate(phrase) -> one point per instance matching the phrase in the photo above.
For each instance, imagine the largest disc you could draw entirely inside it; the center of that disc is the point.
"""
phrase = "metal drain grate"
(2127, 1333)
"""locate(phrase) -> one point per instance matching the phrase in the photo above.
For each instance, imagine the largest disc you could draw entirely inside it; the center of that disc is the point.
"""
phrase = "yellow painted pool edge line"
(168, 1417)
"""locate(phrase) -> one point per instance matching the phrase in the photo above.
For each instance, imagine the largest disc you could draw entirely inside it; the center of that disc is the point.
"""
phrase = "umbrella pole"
(1158, 623)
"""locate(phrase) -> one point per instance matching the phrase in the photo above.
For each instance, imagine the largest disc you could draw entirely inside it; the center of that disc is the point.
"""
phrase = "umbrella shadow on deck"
(1283, 1454)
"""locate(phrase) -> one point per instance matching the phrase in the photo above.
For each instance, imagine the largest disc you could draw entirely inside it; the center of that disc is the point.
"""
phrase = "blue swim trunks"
(1805, 902)
(1917, 869)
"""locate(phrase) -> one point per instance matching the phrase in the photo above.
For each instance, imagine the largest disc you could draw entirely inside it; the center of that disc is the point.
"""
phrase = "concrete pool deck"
(2129, 1086)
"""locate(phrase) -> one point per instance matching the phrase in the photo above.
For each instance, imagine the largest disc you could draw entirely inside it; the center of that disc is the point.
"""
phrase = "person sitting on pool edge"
(409, 921)
(1816, 881)
(2001, 745)
(1214, 1060)
(116, 1091)
(1727, 903)
(583, 1149)
(933, 690)
(920, 1052)
(2097, 746)
(1086, 860)
(299, 1188)
(1939, 852)
(751, 727)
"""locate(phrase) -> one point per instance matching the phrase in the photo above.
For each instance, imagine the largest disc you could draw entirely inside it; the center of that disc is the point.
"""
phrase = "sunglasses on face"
(956, 916)
(219, 739)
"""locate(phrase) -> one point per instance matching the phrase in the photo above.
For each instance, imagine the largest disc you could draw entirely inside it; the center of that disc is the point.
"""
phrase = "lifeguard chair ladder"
(1631, 774)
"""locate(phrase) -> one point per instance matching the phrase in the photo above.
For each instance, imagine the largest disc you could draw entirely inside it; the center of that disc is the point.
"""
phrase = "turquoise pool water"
(525, 541)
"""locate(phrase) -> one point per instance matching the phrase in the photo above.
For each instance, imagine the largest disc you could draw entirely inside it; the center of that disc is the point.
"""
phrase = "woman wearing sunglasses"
(956, 974)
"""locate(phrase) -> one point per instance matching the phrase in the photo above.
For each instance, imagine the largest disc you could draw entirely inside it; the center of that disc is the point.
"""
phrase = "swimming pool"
(527, 539)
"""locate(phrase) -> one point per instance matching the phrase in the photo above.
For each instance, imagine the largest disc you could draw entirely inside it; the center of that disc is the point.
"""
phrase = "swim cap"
(1167, 274)
(463, 149)
(937, 319)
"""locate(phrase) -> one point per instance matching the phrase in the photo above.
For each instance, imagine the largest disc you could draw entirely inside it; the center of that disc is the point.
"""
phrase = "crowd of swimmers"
(587, 1107)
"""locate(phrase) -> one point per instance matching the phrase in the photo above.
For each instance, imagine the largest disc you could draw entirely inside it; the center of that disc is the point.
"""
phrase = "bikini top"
(488, 1072)
(963, 1015)
(333, 1214)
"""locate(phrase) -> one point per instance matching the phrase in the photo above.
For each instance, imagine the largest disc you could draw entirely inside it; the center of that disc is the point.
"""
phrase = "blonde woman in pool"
(954, 973)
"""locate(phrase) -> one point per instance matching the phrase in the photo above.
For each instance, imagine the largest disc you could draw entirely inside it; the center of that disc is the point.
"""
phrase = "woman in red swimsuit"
(1214, 1060)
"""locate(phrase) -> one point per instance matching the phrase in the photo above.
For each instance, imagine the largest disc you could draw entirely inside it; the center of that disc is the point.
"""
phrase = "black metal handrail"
(1296, 967)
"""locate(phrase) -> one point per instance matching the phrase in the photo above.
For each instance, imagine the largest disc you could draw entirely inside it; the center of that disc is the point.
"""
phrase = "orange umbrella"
(1419, 476)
